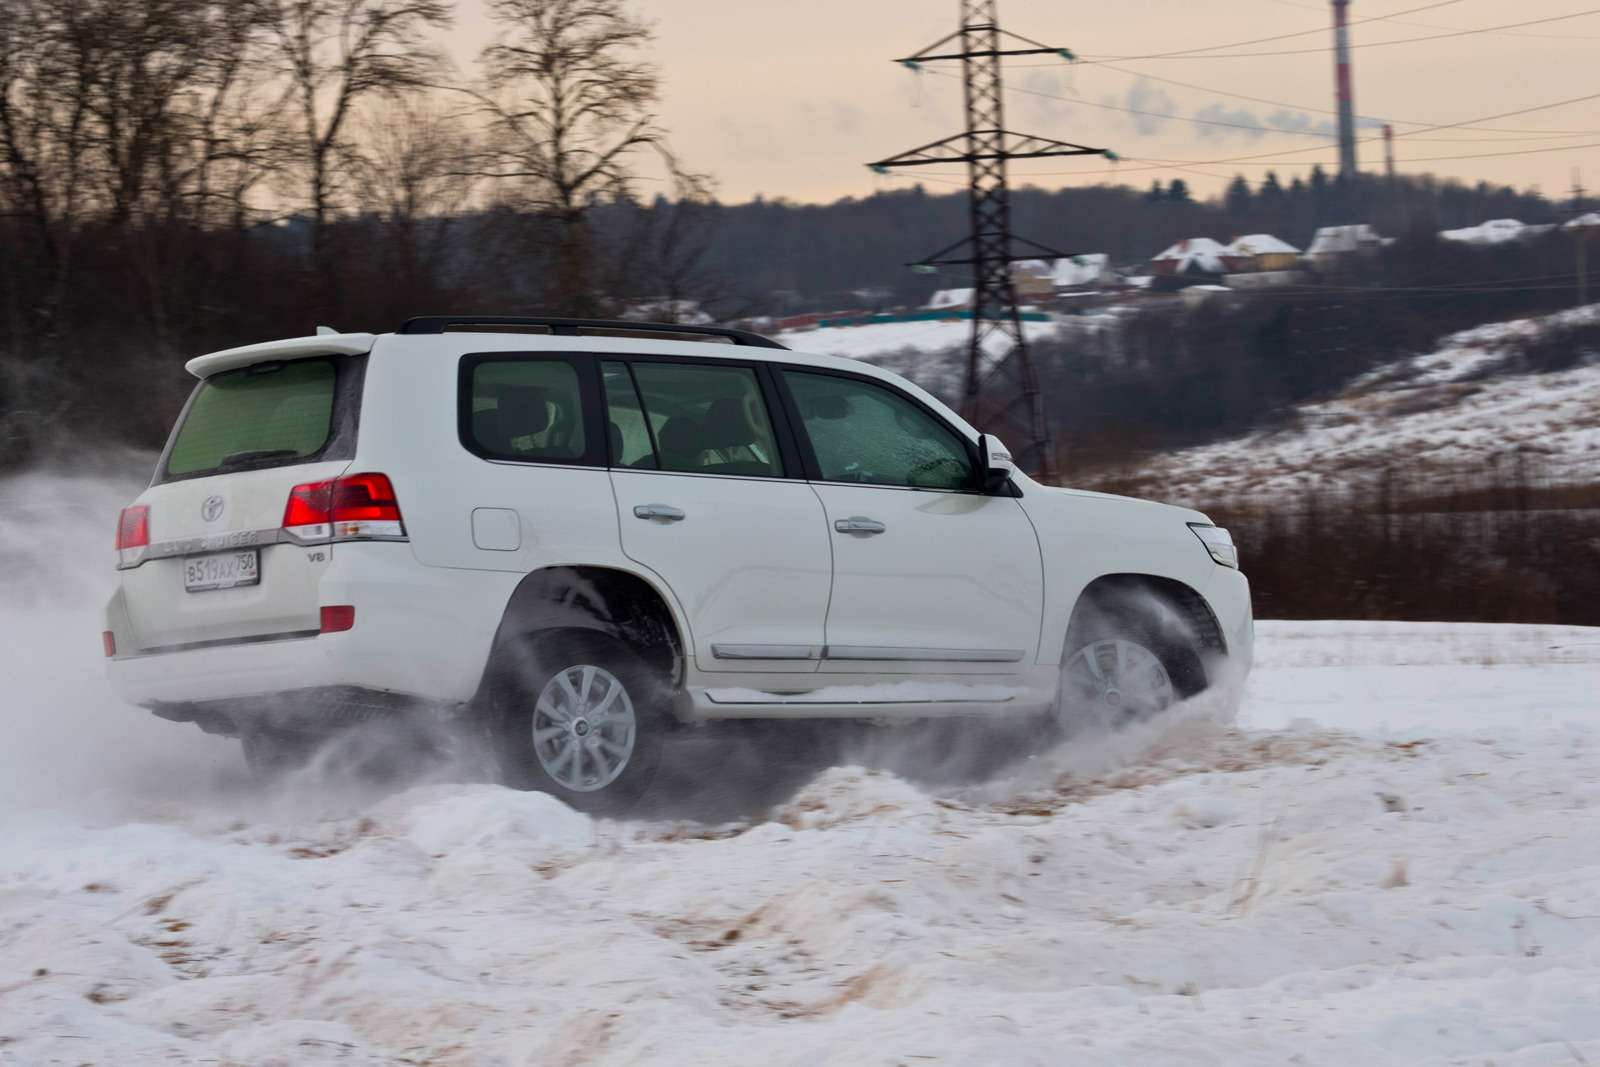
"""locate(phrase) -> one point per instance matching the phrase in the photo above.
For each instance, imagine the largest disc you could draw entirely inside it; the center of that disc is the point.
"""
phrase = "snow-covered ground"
(861, 342)
(1447, 416)
(1391, 856)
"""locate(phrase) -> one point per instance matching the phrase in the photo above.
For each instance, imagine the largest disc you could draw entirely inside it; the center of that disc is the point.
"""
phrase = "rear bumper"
(421, 633)
(297, 711)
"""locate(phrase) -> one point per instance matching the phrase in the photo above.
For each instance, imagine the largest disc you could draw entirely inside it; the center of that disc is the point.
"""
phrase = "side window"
(867, 433)
(528, 409)
(630, 444)
(708, 419)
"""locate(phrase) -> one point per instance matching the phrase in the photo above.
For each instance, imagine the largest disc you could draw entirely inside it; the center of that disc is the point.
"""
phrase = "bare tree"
(408, 175)
(569, 101)
(335, 54)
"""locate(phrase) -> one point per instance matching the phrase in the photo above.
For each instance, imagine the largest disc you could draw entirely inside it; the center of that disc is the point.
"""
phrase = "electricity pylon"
(1002, 384)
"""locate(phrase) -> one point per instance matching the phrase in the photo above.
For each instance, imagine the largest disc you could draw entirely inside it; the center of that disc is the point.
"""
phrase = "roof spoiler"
(324, 344)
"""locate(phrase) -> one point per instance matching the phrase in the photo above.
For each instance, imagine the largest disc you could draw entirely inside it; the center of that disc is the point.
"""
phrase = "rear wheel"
(1126, 661)
(580, 717)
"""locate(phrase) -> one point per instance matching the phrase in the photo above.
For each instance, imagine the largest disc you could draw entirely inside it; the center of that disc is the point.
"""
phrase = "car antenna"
(324, 331)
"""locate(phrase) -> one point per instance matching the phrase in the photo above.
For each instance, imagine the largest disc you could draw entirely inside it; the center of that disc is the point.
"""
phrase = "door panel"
(952, 585)
(749, 561)
(929, 576)
(702, 501)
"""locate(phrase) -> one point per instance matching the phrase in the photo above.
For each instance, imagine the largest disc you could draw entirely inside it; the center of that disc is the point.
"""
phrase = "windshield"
(268, 415)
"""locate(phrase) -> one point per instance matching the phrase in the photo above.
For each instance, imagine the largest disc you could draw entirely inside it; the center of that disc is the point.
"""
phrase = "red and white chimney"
(1346, 95)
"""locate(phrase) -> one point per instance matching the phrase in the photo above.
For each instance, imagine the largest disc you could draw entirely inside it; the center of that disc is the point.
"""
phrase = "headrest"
(614, 435)
(679, 440)
(727, 424)
(524, 409)
(486, 429)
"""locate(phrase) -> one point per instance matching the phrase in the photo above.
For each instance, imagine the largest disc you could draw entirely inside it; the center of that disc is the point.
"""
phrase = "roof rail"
(587, 328)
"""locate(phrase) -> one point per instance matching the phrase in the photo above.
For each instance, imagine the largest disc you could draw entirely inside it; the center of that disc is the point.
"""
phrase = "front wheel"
(580, 717)
(1124, 665)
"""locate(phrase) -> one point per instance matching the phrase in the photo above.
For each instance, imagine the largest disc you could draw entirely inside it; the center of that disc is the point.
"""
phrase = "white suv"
(586, 535)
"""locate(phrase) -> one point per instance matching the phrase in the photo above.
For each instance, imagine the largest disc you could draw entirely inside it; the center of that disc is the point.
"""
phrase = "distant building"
(952, 300)
(1038, 280)
(1495, 232)
(686, 312)
(1336, 248)
(1194, 255)
(1031, 279)
(1260, 252)
(1086, 273)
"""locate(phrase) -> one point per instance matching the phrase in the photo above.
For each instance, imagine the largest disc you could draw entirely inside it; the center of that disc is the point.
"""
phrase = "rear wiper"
(255, 455)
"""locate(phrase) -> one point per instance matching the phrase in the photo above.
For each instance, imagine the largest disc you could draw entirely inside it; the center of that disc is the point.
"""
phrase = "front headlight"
(1218, 542)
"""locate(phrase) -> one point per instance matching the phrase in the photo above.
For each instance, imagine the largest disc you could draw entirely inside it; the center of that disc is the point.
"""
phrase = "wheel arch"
(1174, 606)
(618, 603)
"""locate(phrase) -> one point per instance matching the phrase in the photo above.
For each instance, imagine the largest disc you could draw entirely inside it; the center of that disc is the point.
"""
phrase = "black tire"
(1124, 627)
(514, 714)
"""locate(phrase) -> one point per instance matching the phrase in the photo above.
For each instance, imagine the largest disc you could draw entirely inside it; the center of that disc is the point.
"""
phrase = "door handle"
(658, 511)
(859, 524)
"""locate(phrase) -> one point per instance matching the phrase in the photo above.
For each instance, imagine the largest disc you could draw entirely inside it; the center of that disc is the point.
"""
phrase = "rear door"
(707, 500)
(929, 575)
(214, 570)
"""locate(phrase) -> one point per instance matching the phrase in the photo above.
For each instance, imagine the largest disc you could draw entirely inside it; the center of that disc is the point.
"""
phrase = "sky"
(791, 100)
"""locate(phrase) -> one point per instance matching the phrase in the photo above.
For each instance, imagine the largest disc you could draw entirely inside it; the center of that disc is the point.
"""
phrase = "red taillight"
(365, 498)
(308, 505)
(108, 642)
(337, 618)
(133, 527)
(357, 507)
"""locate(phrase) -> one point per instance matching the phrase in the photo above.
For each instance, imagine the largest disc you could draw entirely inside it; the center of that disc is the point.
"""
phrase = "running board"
(893, 700)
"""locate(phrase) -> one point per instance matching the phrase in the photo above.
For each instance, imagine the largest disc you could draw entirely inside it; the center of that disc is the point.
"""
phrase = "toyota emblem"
(211, 510)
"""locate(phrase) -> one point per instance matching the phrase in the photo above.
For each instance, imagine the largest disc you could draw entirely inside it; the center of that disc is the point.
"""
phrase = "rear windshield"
(268, 415)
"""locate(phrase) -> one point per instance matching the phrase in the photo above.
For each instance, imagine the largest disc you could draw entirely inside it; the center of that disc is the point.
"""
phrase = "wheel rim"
(1121, 680)
(584, 728)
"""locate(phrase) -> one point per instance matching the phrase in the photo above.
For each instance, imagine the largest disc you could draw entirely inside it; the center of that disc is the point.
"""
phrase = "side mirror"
(997, 465)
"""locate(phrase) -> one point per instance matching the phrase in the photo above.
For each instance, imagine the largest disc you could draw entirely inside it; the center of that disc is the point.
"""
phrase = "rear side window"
(708, 419)
(630, 444)
(527, 409)
(269, 415)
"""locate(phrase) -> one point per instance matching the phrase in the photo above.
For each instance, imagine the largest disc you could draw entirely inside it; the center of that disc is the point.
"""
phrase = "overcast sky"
(790, 98)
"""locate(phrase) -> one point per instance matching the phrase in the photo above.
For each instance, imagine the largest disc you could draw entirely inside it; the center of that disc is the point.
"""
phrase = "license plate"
(224, 570)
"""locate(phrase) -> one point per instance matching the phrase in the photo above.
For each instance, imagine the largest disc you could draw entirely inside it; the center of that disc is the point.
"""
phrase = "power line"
(1289, 36)
(1093, 61)
(1196, 120)
(1430, 129)
(1398, 21)
(1313, 109)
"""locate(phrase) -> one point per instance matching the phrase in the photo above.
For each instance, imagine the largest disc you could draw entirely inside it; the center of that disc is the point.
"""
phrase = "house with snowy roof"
(1495, 232)
(951, 300)
(1260, 252)
(1193, 255)
(1085, 273)
(685, 312)
(1042, 278)
(1335, 248)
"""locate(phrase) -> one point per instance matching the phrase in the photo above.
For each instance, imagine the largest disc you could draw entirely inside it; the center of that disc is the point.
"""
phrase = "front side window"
(708, 419)
(861, 432)
(271, 414)
(527, 409)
